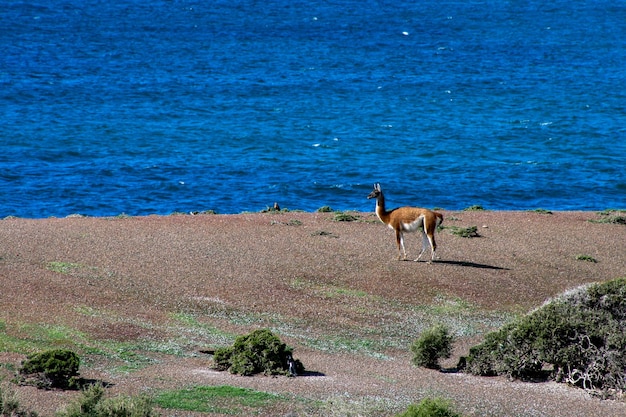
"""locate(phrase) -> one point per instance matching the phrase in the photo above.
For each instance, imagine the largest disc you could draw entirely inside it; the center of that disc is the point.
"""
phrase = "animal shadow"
(471, 265)
(312, 373)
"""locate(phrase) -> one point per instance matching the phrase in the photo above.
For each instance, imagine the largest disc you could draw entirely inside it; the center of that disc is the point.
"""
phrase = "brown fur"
(408, 219)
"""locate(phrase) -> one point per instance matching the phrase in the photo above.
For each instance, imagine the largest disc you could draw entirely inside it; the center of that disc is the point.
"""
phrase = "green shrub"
(475, 207)
(432, 345)
(324, 233)
(436, 407)
(258, 352)
(85, 405)
(10, 405)
(611, 216)
(345, 217)
(56, 368)
(541, 211)
(580, 336)
(468, 232)
(587, 258)
(93, 404)
(324, 209)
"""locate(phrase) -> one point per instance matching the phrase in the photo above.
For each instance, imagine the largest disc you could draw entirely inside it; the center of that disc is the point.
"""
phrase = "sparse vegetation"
(611, 216)
(93, 404)
(433, 344)
(325, 209)
(63, 267)
(291, 222)
(324, 233)
(581, 336)
(541, 211)
(258, 352)
(586, 258)
(10, 405)
(467, 232)
(428, 407)
(56, 368)
(475, 207)
(345, 217)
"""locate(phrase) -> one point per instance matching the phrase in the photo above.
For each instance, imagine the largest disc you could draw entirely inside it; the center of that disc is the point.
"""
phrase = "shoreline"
(296, 211)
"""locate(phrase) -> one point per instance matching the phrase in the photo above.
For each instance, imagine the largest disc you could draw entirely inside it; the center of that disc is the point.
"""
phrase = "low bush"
(345, 217)
(93, 404)
(10, 405)
(541, 211)
(611, 217)
(56, 368)
(432, 345)
(436, 407)
(467, 232)
(475, 207)
(258, 352)
(586, 258)
(578, 338)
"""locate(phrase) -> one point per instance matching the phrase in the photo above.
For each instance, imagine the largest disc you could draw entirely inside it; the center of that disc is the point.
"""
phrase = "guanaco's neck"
(380, 209)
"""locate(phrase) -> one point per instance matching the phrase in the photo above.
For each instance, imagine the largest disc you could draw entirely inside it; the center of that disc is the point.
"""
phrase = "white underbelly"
(414, 226)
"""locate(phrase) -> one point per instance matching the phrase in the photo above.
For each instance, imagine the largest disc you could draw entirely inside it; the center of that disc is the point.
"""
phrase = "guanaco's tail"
(439, 218)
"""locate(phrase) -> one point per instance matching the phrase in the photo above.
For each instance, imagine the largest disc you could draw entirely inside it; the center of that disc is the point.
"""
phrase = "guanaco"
(408, 219)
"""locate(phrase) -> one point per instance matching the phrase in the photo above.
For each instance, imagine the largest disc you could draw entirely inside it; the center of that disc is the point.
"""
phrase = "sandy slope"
(307, 277)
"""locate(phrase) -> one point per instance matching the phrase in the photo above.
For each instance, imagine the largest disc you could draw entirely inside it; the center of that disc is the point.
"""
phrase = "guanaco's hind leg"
(433, 246)
(425, 243)
(428, 238)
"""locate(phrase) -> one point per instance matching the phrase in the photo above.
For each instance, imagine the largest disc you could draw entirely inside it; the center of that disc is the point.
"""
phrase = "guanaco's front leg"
(400, 242)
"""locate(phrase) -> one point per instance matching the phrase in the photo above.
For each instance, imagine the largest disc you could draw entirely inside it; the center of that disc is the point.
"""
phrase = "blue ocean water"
(160, 106)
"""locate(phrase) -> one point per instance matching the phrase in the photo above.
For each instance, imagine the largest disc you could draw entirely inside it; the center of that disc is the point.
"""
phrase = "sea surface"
(159, 106)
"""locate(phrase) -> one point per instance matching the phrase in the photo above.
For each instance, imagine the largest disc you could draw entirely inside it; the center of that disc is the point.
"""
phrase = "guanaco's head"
(377, 191)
